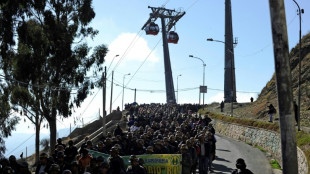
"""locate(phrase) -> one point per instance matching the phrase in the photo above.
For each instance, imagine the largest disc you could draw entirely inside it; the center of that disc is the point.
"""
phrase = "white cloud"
(245, 97)
(216, 98)
(136, 49)
(241, 97)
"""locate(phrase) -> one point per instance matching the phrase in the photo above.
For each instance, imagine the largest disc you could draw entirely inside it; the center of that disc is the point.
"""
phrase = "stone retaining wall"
(268, 140)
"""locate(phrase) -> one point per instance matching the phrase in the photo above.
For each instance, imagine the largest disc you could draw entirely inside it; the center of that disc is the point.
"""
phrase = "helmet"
(60, 154)
(150, 149)
(133, 158)
(67, 172)
(43, 155)
(184, 146)
(114, 149)
(117, 146)
(54, 167)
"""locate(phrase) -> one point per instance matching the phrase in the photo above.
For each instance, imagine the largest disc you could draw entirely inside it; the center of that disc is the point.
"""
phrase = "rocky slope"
(258, 109)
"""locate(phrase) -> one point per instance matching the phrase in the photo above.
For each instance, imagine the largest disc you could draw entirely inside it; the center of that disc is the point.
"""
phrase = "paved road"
(228, 150)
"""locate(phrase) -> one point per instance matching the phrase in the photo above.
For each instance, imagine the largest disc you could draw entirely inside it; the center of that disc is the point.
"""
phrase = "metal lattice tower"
(171, 16)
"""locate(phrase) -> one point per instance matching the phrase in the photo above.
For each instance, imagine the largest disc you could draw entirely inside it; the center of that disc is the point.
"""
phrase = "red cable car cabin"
(173, 37)
(151, 29)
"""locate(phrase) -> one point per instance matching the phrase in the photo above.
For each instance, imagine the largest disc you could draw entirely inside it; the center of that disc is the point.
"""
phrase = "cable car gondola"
(173, 37)
(151, 29)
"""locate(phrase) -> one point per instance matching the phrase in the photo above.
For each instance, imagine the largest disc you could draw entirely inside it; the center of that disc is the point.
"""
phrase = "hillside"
(258, 109)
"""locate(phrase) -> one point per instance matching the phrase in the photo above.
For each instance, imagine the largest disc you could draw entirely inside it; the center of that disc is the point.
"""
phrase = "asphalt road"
(229, 150)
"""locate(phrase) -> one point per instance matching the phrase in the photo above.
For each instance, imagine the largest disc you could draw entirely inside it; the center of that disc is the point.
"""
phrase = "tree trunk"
(37, 124)
(53, 131)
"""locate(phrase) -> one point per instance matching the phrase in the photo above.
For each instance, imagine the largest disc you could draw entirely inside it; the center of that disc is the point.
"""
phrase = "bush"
(275, 164)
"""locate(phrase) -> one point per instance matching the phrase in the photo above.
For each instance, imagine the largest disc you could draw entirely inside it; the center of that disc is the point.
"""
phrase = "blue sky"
(119, 21)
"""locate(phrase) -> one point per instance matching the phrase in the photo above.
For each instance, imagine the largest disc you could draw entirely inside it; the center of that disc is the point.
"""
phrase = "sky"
(119, 24)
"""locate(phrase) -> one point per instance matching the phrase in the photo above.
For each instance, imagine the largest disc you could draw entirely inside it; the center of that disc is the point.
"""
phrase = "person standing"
(203, 155)
(135, 168)
(252, 99)
(116, 162)
(186, 159)
(222, 106)
(296, 112)
(271, 111)
(43, 165)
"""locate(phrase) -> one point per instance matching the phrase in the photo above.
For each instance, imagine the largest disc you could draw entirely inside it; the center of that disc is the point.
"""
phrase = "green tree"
(7, 121)
(52, 59)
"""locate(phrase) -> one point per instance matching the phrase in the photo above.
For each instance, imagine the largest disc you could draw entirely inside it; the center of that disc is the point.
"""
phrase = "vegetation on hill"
(258, 109)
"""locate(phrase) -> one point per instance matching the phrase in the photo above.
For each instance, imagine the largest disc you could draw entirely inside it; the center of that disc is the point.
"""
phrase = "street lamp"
(123, 90)
(112, 61)
(178, 87)
(300, 11)
(232, 71)
(203, 78)
(212, 40)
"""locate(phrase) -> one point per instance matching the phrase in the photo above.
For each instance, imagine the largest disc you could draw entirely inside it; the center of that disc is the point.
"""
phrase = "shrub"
(275, 164)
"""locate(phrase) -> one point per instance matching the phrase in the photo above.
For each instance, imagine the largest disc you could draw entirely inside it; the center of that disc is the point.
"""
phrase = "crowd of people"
(152, 129)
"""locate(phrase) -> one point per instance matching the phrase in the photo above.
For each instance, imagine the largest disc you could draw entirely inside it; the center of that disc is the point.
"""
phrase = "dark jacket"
(187, 163)
(135, 170)
(45, 169)
(207, 149)
(117, 165)
(243, 171)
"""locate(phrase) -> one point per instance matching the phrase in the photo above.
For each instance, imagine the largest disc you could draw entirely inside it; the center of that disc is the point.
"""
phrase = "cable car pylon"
(172, 37)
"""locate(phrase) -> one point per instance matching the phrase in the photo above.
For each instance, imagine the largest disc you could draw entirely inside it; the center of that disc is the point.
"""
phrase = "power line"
(39, 86)
(191, 5)
(21, 144)
(132, 43)
(138, 68)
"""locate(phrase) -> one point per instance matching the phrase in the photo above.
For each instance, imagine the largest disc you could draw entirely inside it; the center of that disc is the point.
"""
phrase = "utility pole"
(135, 95)
(284, 86)
(172, 17)
(104, 112)
(111, 92)
(229, 79)
(300, 11)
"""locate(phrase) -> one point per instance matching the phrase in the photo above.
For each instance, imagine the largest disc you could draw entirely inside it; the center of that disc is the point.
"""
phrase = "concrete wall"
(268, 140)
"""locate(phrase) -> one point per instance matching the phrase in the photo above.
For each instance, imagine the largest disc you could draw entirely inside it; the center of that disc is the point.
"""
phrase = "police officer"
(116, 163)
(43, 165)
(135, 168)
(186, 159)
(54, 169)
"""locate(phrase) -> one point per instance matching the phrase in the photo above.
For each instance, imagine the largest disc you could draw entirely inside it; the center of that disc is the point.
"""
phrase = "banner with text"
(155, 164)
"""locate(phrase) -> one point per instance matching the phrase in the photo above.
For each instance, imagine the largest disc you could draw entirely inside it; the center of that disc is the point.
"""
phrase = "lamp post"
(203, 78)
(178, 87)
(112, 61)
(233, 93)
(123, 90)
(300, 11)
